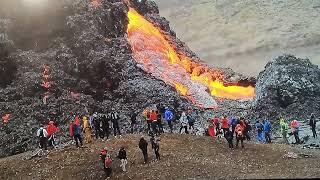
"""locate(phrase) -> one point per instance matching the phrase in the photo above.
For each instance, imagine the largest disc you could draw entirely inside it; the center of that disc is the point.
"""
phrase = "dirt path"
(183, 157)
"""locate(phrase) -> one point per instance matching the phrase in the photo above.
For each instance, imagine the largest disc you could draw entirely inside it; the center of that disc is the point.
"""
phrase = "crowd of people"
(98, 125)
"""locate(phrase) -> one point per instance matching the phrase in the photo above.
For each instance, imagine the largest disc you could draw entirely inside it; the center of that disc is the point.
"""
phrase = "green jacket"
(283, 126)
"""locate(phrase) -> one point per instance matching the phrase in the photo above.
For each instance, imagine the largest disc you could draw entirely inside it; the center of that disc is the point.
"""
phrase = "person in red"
(239, 130)
(224, 125)
(216, 123)
(212, 130)
(77, 120)
(153, 118)
(6, 118)
(51, 130)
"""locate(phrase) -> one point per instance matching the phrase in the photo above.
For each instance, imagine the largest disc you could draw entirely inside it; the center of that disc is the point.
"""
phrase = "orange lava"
(212, 79)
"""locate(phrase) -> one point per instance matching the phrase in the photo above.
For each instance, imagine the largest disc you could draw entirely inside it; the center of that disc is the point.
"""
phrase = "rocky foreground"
(183, 157)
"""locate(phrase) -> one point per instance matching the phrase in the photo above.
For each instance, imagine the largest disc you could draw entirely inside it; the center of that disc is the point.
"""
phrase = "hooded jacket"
(168, 115)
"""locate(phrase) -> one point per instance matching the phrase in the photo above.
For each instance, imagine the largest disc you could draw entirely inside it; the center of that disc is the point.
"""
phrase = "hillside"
(245, 35)
(183, 157)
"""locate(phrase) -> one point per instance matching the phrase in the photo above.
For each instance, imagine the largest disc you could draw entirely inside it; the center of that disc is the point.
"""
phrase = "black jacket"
(313, 122)
(122, 154)
(229, 135)
(105, 122)
(143, 144)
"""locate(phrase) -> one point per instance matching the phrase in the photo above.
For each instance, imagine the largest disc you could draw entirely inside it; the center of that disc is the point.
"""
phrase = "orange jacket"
(225, 123)
(153, 116)
(239, 129)
(51, 129)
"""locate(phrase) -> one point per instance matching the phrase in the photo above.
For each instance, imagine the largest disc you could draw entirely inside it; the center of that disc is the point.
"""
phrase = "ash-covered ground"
(91, 68)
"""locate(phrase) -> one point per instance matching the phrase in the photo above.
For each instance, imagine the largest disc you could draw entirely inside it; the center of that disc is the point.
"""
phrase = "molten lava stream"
(153, 51)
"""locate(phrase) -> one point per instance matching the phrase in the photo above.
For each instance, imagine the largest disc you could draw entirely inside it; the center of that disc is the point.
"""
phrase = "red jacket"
(225, 123)
(107, 163)
(51, 129)
(71, 129)
(153, 116)
(215, 120)
(77, 121)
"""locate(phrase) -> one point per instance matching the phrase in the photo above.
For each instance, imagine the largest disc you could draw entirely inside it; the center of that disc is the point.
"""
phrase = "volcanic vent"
(155, 53)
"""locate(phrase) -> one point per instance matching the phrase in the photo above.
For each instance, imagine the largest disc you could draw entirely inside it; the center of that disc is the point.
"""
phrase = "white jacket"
(45, 133)
(184, 119)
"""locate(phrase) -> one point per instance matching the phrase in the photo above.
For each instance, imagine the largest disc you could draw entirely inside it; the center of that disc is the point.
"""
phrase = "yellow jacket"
(85, 123)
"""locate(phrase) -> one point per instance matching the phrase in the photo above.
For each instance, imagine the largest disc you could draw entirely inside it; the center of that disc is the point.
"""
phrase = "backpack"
(41, 134)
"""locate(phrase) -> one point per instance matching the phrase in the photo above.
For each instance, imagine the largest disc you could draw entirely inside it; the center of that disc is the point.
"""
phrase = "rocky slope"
(182, 157)
(245, 35)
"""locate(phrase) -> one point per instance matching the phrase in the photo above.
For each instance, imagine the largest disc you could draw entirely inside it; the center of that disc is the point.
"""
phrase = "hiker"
(212, 130)
(143, 145)
(123, 158)
(75, 133)
(233, 122)
(229, 138)
(284, 130)
(146, 115)
(133, 121)
(247, 130)
(259, 129)
(103, 154)
(216, 123)
(87, 129)
(107, 166)
(42, 135)
(6, 118)
(190, 120)
(184, 123)
(105, 125)
(224, 125)
(115, 123)
(153, 118)
(51, 130)
(294, 125)
(97, 125)
(159, 122)
(267, 129)
(168, 115)
(239, 133)
(313, 124)
(155, 146)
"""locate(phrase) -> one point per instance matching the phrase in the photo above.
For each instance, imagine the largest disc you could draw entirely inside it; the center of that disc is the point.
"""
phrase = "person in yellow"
(87, 129)
(146, 115)
(284, 130)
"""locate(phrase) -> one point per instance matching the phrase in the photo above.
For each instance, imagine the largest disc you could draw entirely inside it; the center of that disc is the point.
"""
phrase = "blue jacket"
(168, 115)
(267, 126)
(234, 122)
(76, 129)
(259, 127)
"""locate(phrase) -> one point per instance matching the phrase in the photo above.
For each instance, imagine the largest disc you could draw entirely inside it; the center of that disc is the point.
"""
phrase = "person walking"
(259, 130)
(168, 115)
(294, 125)
(184, 123)
(105, 125)
(122, 155)
(155, 146)
(247, 130)
(87, 129)
(153, 119)
(216, 123)
(267, 130)
(159, 122)
(233, 122)
(313, 125)
(143, 145)
(284, 130)
(229, 138)
(42, 135)
(75, 133)
(97, 125)
(190, 121)
(103, 154)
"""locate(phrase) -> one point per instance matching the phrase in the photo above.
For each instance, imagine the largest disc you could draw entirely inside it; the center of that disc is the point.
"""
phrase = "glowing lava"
(157, 56)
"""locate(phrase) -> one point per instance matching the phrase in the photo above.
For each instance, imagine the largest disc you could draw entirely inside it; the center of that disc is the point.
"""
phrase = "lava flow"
(153, 51)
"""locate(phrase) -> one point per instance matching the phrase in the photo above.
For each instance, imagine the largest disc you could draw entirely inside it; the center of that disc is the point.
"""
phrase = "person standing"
(115, 123)
(224, 125)
(75, 133)
(97, 125)
(294, 125)
(122, 155)
(190, 120)
(51, 130)
(107, 166)
(239, 134)
(42, 135)
(284, 130)
(153, 119)
(143, 145)
(159, 122)
(184, 123)
(233, 122)
(168, 115)
(267, 130)
(105, 125)
(133, 121)
(259, 130)
(87, 129)
(247, 130)
(313, 124)
(216, 123)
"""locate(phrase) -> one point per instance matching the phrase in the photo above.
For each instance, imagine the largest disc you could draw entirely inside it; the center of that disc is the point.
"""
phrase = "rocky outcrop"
(289, 87)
